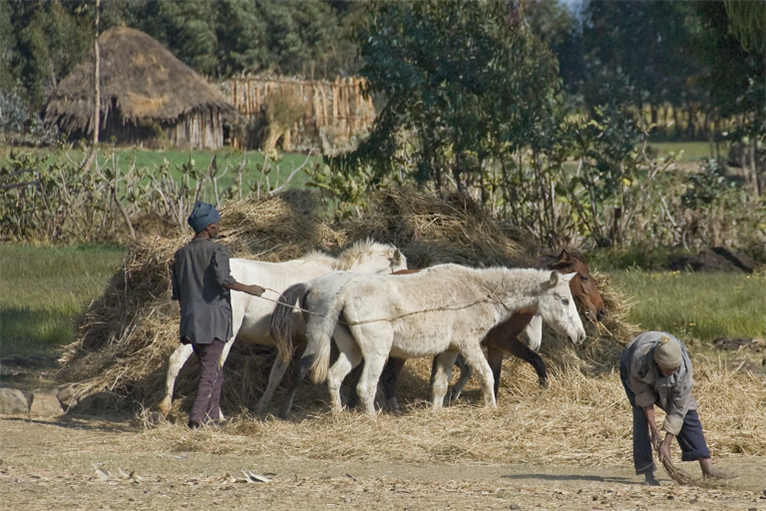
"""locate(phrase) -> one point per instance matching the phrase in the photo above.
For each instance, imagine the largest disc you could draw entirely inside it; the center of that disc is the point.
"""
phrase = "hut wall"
(197, 130)
(336, 111)
(202, 129)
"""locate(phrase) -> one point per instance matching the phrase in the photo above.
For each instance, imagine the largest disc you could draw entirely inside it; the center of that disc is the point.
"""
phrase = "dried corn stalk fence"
(333, 113)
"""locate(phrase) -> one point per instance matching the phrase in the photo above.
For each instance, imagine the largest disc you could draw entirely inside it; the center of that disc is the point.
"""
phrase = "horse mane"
(316, 255)
(547, 261)
(355, 252)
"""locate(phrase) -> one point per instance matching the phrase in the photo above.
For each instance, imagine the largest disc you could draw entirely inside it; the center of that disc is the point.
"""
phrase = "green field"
(703, 306)
(692, 151)
(44, 288)
(227, 159)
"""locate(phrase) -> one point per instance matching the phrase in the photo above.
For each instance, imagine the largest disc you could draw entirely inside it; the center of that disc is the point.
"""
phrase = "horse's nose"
(601, 313)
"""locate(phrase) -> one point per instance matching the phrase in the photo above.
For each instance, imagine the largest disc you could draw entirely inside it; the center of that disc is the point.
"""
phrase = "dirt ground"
(89, 464)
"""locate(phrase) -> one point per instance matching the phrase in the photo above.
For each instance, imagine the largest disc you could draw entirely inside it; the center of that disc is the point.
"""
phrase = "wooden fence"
(335, 111)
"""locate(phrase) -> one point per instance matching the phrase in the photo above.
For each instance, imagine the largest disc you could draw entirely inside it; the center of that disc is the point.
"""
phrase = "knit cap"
(203, 215)
(668, 354)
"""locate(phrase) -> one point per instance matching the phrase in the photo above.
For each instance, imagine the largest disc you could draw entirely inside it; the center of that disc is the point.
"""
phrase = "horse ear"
(554, 277)
(397, 257)
(567, 277)
(565, 256)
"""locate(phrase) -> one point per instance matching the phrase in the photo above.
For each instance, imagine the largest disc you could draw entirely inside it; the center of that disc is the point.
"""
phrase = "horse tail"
(282, 322)
(319, 333)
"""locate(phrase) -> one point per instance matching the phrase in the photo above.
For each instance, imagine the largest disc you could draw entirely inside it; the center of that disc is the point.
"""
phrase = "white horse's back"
(445, 308)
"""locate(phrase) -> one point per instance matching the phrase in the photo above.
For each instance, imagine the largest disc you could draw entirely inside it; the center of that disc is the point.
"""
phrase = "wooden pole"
(97, 78)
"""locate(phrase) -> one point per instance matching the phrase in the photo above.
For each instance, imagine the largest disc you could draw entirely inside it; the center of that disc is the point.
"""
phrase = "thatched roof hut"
(148, 96)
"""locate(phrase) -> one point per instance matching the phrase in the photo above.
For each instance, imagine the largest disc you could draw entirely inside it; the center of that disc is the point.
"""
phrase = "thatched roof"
(141, 75)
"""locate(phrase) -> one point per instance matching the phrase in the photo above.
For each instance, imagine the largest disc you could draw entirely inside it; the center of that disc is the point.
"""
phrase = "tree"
(642, 53)
(747, 22)
(464, 83)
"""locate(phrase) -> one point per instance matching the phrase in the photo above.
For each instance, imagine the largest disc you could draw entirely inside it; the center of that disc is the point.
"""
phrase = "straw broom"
(676, 474)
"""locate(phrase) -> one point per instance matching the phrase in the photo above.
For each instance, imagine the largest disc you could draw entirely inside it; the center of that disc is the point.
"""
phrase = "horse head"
(582, 285)
(371, 257)
(558, 309)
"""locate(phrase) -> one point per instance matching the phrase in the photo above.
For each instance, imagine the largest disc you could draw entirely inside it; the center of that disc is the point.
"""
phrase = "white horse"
(443, 310)
(316, 296)
(251, 314)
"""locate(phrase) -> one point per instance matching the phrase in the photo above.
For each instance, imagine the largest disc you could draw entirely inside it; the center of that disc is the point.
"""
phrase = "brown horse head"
(583, 286)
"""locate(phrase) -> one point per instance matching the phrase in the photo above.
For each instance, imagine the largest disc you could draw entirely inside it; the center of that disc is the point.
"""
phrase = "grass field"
(44, 289)
(230, 158)
(697, 305)
(692, 151)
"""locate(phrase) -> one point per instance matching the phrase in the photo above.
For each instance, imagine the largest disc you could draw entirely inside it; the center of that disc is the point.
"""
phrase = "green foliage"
(463, 81)
(284, 108)
(747, 21)
(61, 199)
(706, 189)
(53, 42)
(640, 52)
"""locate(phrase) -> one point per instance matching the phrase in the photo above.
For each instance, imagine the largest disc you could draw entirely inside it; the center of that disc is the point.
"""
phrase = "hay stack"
(431, 231)
(126, 336)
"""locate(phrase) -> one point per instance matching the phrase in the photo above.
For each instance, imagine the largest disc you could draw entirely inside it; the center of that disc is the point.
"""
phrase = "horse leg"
(388, 377)
(300, 371)
(440, 371)
(349, 357)
(175, 363)
(466, 372)
(368, 382)
(353, 380)
(278, 370)
(495, 361)
(518, 349)
(476, 359)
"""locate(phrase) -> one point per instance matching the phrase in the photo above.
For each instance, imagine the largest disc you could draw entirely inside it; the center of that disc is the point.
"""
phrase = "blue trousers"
(691, 439)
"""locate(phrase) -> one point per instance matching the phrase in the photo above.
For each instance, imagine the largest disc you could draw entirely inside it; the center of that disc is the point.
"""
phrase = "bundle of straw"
(676, 474)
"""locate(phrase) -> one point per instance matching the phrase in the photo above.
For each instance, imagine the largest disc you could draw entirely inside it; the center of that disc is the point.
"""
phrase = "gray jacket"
(671, 393)
(200, 273)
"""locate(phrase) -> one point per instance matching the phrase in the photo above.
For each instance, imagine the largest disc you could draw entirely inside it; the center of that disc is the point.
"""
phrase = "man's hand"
(665, 447)
(654, 433)
(255, 290)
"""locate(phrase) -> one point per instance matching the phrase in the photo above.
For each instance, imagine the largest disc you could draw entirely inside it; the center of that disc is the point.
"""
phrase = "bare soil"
(90, 464)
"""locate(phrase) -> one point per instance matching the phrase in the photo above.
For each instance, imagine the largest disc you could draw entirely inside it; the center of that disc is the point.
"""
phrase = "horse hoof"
(543, 383)
(165, 406)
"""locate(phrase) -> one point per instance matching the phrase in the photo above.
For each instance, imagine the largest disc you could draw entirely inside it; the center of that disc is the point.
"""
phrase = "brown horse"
(504, 337)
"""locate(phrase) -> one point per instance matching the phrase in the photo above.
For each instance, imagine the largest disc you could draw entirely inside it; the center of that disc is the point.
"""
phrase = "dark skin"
(211, 232)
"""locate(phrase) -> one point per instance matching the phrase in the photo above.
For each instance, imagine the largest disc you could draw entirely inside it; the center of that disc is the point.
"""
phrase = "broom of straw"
(676, 474)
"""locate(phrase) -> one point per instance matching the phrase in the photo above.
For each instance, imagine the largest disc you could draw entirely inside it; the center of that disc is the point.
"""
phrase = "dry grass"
(127, 335)
(578, 420)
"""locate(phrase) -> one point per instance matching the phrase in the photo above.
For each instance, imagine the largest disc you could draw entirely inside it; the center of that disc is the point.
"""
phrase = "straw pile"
(581, 420)
(126, 336)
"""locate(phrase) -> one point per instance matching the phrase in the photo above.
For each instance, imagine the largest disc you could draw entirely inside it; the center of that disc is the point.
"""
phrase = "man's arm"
(250, 289)
(224, 277)
(654, 431)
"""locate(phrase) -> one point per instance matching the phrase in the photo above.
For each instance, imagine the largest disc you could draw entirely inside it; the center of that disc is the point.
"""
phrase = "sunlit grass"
(251, 162)
(42, 290)
(704, 306)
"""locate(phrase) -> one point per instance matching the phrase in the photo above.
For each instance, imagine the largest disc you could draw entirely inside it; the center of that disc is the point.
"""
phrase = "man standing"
(655, 370)
(202, 281)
